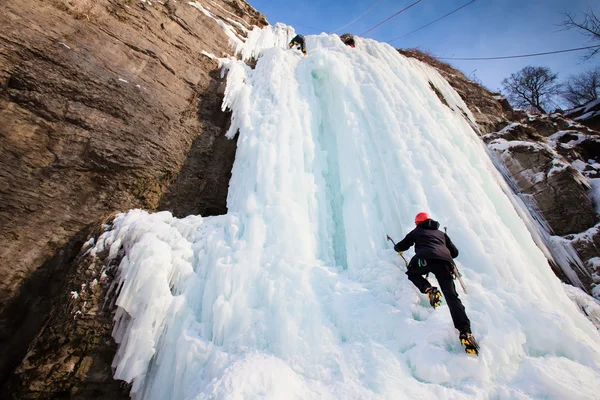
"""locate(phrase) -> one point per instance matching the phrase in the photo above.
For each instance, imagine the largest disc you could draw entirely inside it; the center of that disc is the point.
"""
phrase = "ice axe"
(459, 277)
(391, 240)
(457, 274)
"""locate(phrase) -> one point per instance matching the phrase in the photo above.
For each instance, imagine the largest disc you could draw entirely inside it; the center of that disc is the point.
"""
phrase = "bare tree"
(532, 87)
(588, 26)
(582, 88)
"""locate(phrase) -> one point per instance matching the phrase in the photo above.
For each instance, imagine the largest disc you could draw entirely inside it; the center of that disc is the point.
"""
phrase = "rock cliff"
(105, 105)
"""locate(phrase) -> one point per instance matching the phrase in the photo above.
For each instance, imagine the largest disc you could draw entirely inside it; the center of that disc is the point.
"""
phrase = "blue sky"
(482, 29)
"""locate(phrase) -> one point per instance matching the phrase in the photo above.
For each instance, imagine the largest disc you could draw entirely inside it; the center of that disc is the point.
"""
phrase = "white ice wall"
(296, 293)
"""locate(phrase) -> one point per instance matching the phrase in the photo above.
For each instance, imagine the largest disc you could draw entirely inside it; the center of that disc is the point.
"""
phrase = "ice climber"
(434, 252)
(348, 39)
(298, 43)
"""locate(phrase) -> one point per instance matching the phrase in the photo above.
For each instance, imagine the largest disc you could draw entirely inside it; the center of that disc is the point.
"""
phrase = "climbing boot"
(434, 296)
(467, 340)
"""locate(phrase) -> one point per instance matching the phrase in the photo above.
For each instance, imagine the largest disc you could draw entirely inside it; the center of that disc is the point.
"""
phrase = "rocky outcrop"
(588, 114)
(72, 354)
(553, 162)
(105, 105)
(546, 176)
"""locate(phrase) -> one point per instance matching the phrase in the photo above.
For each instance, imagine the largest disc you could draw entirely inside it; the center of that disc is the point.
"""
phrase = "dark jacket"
(299, 39)
(430, 243)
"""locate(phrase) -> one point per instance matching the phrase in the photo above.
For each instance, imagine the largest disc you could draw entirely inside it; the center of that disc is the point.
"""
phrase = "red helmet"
(420, 217)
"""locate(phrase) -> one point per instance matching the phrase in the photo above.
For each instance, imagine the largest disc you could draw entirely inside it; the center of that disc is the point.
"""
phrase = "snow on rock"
(537, 174)
(588, 114)
(558, 166)
(586, 236)
(586, 111)
(296, 294)
(588, 305)
(234, 38)
(574, 138)
(579, 165)
(509, 128)
(595, 192)
(501, 145)
(209, 55)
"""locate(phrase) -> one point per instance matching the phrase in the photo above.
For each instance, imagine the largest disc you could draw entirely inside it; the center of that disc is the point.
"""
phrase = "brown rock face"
(560, 196)
(553, 174)
(71, 356)
(105, 105)
(543, 173)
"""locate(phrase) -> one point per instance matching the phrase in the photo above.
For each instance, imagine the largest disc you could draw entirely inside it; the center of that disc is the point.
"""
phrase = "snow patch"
(586, 110)
(502, 145)
(595, 192)
(242, 27)
(579, 165)
(209, 55)
(586, 236)
(588, 115)
(589, 306)
(557, 166)
(509, 128)
(235, 40)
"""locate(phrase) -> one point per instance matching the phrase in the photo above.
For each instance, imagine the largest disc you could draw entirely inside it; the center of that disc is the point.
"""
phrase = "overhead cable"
(519, 56)
(433, 22)
(359, 17)
(390, 17)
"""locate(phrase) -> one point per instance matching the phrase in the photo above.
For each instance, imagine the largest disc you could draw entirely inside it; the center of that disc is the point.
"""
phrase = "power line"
(387, 19)
(361, 15)
(433, 22)
(520, 56)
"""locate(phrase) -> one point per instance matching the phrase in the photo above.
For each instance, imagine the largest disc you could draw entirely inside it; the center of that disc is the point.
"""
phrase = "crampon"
(434, 296)
(471, 346)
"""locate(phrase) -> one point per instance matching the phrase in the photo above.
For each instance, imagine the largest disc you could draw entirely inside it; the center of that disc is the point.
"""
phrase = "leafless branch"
(589, 26)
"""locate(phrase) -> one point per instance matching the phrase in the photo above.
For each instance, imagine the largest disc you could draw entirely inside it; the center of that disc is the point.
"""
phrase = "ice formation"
(296, 294)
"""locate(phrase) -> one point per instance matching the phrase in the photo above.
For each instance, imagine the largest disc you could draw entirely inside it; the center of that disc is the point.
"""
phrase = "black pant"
(441, 269)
